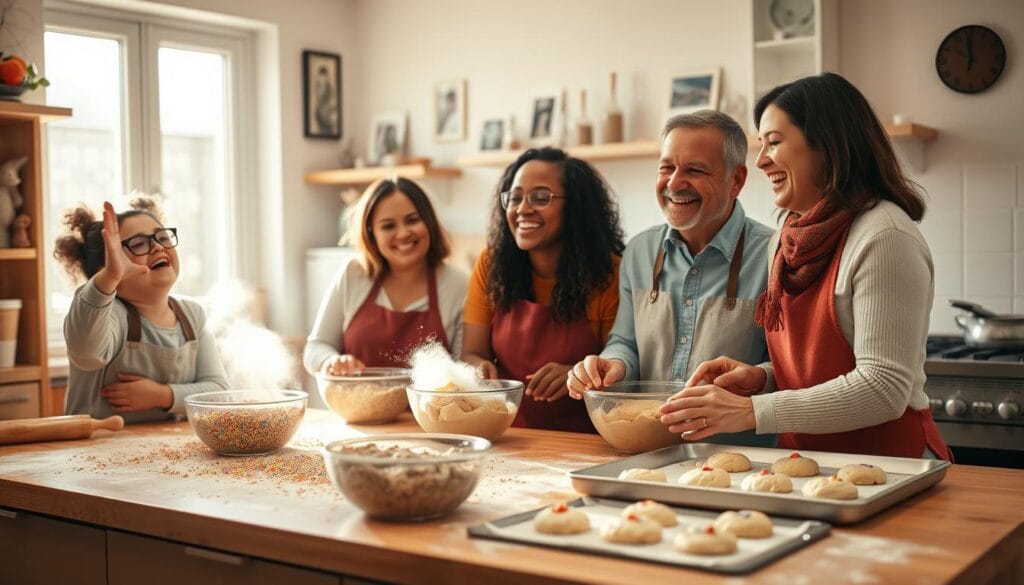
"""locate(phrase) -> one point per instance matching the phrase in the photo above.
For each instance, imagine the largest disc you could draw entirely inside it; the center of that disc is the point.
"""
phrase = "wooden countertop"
(153, 480)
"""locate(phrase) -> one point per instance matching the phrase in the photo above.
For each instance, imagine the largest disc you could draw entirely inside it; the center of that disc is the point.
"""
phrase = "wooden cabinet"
(39, 550)
(22, 269)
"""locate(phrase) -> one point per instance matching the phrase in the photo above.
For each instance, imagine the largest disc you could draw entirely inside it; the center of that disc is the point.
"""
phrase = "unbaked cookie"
(652, 510)
(767, 480)
(731, 462)
(641, 474)
(862, 474)
(796, 465)
(832, 487)
(632, 529)
(706, 476)
(561, 519)
(705, 540)
(744, 524)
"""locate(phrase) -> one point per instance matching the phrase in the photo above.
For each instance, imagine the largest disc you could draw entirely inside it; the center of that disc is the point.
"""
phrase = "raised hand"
(116, 264)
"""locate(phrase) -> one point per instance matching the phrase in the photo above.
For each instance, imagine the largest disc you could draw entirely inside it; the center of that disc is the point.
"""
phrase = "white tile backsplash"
(941, 317)
(943, 229)
(944, 188)
(1018, 230)
(988, 230)
(988, 274)
(1018, 306)
(1020, 185)
(1019, 270)
(989, 185)
(949, 275)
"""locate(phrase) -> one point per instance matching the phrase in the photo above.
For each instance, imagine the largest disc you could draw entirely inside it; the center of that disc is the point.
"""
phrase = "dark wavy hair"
(837, 121)
(80, 248)
(590, 236)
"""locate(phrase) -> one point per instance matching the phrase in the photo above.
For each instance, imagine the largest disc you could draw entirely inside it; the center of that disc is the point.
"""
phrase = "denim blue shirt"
(689, 280)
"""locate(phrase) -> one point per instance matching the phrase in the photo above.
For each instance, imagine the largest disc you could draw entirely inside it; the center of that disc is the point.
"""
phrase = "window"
(158, 107)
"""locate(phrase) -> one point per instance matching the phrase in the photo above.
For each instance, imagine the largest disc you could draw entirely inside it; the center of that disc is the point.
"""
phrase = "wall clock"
(970, 59)
(792, 17)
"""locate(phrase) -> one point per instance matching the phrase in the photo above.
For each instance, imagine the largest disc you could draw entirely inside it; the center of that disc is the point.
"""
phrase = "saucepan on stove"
(983, 328)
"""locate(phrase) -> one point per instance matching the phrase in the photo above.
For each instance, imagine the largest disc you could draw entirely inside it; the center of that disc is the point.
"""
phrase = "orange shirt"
(601, 307)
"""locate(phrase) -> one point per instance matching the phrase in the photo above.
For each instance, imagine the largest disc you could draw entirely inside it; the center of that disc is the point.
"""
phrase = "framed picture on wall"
(490, 136)
(387, 138)
(450, 111)
(543, 121)
(694, 90)
(321, 93)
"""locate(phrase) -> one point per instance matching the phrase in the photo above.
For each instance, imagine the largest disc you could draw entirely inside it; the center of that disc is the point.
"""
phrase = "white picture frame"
(545, 118)
(387, 138)
(694, 90)
(450, 110)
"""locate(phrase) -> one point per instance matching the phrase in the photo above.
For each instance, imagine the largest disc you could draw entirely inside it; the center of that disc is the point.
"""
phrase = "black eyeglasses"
(538, 198)
(142, 244)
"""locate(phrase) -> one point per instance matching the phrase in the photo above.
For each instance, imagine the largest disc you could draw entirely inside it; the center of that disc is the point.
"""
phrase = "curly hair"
(590, 237)
(80, 248)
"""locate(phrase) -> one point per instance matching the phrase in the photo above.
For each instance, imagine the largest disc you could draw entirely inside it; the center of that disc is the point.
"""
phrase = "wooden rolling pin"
(55, 428)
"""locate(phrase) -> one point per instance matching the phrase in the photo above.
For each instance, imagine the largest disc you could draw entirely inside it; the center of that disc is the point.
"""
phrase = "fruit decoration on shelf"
(17, 76)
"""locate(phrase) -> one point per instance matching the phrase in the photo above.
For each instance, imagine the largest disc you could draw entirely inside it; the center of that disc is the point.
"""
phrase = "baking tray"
(751, 553)
(906, 477)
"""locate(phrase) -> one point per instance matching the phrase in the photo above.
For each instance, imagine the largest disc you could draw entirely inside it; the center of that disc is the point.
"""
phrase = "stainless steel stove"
(977, 396)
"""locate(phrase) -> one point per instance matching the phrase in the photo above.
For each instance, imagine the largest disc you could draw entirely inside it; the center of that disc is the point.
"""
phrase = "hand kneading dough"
(641, 474)
(768, 481)
(652, 510)
(561, 519)
(744, 524)
(862, 474)
(705, 540)
(796, 466)
(707, 477)
(731, 462)
(831, 487)
(632, 529)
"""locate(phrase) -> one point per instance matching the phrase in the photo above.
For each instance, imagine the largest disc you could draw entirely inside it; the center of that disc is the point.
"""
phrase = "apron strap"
(733, 286)
(134, 321)
(186, 325)
(659, 263)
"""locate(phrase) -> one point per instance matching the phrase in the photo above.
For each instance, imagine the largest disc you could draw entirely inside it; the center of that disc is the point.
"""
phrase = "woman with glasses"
(397, 295)
(545, 292)
(134, 349)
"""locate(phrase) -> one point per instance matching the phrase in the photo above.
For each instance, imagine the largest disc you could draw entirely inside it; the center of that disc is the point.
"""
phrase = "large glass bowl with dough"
(485, 410)
(626, 414)
(367, 396)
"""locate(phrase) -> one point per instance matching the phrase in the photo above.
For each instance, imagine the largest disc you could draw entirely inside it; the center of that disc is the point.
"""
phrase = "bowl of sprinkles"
(246, 422)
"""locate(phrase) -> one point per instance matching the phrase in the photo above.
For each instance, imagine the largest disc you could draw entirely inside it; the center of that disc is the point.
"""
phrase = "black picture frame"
(321, 95)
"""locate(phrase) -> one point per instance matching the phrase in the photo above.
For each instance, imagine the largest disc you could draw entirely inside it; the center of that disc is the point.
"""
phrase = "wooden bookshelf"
(367, 175)
(17, 253)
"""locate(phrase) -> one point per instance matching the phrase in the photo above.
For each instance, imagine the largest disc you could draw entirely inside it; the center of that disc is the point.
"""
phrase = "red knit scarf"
(806, 246)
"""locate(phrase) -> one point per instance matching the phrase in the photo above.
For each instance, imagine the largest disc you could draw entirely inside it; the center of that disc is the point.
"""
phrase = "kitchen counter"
(154, 480)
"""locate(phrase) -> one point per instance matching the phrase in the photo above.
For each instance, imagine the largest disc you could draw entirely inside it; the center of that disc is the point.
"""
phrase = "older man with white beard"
(689, 287)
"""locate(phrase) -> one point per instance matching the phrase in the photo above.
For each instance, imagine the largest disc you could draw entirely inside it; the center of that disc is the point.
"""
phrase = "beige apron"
(166, 365)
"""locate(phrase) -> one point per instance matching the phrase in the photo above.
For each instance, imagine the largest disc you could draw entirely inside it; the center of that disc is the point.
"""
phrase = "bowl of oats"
(367, 396)
(246, 422)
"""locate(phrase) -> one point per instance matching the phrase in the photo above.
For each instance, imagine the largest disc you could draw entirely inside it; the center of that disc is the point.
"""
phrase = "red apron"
(811, 349)
(526, 337)
(383, 338)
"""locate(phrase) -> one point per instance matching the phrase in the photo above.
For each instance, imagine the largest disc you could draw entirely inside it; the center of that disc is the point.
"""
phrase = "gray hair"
(734, 140)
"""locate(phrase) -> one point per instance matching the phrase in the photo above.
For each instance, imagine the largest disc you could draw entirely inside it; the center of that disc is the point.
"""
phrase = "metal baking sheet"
(751, 553)
(906, 477)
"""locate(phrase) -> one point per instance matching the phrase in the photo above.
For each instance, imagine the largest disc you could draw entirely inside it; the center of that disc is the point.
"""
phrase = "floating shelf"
(786, 46)
(368, 175)
(29, 111)
(17, 253)
(914, 132)
(592, 152)
(20, 374)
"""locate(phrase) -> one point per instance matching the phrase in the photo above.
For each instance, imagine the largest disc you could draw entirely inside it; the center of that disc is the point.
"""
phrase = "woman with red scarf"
(849, 291)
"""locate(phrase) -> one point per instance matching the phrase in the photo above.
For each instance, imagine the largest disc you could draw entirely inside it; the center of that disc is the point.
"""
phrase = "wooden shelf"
(20, 374)
(17, 253)
(786, 46)
(592, 153)
(915, 132)
(368, 175)
(19, 110)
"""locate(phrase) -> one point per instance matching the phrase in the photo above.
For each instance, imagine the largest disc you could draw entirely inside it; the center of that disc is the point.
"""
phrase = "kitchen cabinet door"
(133, 559)
(40, 550)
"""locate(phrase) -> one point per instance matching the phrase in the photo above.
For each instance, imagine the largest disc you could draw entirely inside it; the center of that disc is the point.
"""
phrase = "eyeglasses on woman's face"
(538, 198)
(142, 244)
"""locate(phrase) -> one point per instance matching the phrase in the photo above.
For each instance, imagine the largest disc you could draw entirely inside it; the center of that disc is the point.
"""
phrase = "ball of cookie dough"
(705, 540)
(706, 476)
(652, 510)
(862, 474)
(731, 462)
(744, 524)
(767, 480)
(641, 474)
(561, 519)
(632, 529)
(832, 487)
(796, 465)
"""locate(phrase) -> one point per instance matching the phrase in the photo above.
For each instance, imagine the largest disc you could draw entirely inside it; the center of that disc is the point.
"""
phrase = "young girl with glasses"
(545, 293)
(134, 349)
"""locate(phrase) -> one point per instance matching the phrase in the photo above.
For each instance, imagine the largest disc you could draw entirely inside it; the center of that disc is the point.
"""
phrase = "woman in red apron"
(849, 292)
(545, 293)
(398, 295)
